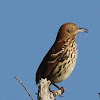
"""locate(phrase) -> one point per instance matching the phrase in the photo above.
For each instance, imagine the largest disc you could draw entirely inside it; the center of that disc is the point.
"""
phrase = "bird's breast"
(66, 66)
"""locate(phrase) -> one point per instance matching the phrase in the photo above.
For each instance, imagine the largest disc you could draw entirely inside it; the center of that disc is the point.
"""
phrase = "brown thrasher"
(60, 61)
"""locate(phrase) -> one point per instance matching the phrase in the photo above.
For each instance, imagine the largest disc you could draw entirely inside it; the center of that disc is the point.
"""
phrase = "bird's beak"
(82, 30)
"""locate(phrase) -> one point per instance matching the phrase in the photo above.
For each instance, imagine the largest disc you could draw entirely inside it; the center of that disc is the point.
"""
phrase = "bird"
(59, 62)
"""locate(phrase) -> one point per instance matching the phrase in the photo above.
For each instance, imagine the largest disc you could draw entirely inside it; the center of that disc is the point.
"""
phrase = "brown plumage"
(60, 60)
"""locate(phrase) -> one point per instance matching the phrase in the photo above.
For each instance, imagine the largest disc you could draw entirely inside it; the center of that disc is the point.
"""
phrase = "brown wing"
(50, 60)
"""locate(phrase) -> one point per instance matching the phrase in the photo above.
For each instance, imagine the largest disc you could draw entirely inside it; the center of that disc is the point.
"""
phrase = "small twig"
(24, 88)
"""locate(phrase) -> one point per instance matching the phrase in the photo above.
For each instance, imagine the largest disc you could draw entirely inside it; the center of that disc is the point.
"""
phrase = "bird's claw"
(62, 90)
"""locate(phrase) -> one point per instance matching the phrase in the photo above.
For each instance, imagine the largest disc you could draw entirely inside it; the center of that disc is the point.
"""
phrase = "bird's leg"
(56, 86)
(60, 88)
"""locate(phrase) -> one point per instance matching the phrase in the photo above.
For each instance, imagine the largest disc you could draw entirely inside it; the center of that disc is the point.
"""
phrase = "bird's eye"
(68, 31)
(73, 26)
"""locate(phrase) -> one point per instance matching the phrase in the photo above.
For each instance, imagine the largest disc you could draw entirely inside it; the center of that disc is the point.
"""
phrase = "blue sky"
(28, 29)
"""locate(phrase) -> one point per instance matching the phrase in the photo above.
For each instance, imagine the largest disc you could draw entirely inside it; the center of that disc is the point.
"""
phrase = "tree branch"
(43, 91)
(24, 87)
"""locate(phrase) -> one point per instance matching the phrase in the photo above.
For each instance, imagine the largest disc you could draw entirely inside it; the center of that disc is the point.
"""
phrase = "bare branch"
(24, 87)
(43, 91)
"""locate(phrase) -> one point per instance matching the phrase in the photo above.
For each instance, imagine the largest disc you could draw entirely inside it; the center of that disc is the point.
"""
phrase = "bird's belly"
(65, 72)
(64, 69)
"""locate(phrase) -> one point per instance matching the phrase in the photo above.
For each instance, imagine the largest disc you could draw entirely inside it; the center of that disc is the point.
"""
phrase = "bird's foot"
(54, 92)
(62, 90)
(60, 93)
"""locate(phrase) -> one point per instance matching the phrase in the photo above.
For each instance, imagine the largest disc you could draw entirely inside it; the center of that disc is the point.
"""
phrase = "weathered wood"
(43, 91)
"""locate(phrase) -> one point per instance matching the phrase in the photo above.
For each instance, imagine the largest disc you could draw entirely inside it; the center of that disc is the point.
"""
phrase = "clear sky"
(28, 29)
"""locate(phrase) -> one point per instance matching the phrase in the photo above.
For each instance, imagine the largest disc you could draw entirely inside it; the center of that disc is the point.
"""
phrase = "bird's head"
(70, 30)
